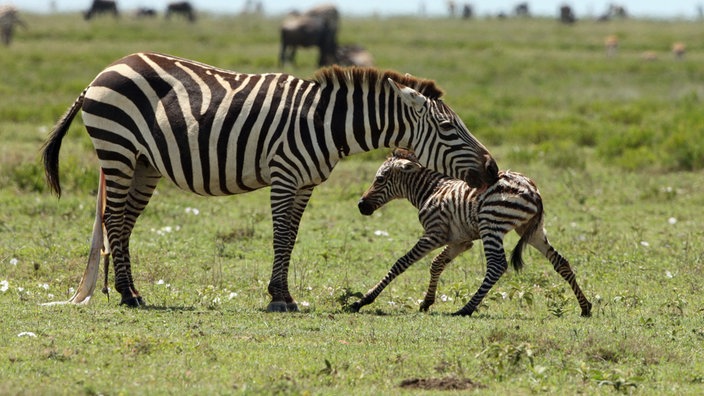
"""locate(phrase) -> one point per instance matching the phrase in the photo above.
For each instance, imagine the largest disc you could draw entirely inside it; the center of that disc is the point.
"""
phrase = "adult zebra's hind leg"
(126, 199)
(287, 207)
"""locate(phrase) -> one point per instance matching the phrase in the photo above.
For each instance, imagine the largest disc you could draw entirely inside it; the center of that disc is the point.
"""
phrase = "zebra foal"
(453, 214)
(216, 132)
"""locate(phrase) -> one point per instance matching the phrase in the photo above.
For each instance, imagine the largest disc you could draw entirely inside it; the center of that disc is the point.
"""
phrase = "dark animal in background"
(9, 18)
(467, 11)
(567, 15)
(101, 7)
(353, 55)
(183, 8)
(316, 27)
(453, 215)
(144, 12)
(522, 10)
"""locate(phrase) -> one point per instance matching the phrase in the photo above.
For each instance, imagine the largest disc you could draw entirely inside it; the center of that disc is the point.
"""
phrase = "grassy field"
(615, 145)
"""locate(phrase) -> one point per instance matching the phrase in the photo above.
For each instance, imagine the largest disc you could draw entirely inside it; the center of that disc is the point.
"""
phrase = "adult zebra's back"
(217, 132)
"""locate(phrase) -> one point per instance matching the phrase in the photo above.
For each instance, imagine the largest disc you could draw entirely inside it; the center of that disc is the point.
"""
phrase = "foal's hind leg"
(540, 241)
(438, 266)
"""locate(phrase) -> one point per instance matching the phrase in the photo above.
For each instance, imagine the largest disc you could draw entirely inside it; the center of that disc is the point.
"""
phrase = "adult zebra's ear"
(409, 95)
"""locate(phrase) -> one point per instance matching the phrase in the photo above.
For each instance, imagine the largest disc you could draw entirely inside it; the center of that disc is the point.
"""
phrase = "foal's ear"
(409, 166)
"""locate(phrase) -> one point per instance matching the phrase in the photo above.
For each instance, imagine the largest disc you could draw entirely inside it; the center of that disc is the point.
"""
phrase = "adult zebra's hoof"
(354, 307)
(133, 302)
(280, 306)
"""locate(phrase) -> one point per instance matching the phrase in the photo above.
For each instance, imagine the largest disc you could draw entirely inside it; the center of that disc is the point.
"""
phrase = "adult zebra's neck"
(361, 111)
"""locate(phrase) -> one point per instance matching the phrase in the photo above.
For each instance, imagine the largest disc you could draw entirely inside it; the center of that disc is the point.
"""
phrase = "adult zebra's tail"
(530, 229)
(53, 144)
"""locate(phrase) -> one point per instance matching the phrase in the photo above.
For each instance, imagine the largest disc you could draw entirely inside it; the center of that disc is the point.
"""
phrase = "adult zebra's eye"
(446, 126)
(379, 179)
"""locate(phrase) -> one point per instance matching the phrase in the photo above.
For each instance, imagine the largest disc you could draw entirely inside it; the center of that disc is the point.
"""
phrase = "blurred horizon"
(682, 9)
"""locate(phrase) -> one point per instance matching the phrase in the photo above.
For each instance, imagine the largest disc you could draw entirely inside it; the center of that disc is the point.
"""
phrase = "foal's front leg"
(425, 245)
(496, 265)
(438, 266)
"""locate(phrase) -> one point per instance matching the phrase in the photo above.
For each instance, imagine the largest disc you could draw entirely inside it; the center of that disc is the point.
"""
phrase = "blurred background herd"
(318, 26)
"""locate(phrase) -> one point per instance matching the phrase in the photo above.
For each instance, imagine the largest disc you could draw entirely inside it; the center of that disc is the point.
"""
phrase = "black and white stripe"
(453, 214)
(217, 132)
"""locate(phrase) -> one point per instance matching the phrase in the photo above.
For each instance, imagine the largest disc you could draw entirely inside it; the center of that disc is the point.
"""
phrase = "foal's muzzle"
(365, 207)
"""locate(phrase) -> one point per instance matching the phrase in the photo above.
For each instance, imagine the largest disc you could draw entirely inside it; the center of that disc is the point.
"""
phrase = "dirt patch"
(448, 383)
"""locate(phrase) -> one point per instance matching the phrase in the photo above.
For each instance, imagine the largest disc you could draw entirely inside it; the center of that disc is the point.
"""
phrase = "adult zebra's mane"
(376, 77)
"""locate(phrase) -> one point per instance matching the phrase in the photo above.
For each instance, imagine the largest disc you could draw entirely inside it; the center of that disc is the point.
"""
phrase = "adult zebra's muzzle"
(365, 207)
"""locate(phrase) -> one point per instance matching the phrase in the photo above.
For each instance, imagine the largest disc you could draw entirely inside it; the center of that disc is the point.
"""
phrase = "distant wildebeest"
(9, 18)
(522, 10)
(353, 55)
(101, 7)
(145, 12)
(181, 8)
(316, 27)
(567, 15)
(467, 11)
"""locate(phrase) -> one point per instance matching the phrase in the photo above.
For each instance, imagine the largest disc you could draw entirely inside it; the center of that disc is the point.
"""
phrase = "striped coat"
(454, 214)
(217, 132)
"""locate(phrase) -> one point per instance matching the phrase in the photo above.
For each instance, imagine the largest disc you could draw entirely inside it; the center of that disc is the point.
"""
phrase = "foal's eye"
(379, 179)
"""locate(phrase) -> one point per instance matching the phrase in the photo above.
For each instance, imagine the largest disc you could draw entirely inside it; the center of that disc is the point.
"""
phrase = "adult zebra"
(217, 132)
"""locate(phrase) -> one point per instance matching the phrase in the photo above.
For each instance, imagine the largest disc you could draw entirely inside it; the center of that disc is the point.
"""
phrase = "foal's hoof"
(354, 307)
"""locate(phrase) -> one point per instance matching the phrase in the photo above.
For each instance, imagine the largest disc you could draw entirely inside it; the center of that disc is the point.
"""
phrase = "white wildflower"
(672, 220)
(668, 274)
(504, 295)
(216, 300)
(305, 304)
(26, 334)
(644, 243)
(445, 298)
(50, 296)
(232, 295)
(193, 211)
(160, 282)
(44, 286)
(14, 261)
(4, 285)
(381, 233)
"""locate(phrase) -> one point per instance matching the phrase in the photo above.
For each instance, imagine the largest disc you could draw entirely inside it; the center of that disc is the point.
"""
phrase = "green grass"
(614, 145)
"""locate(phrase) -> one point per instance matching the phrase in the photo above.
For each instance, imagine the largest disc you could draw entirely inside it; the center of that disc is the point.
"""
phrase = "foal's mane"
(376, 77)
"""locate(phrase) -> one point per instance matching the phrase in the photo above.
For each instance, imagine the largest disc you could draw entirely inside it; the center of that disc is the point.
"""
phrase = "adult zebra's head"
(442, 142)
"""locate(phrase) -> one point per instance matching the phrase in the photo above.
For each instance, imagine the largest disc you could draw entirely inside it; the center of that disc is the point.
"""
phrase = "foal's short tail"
(531, 227)
(53, 144)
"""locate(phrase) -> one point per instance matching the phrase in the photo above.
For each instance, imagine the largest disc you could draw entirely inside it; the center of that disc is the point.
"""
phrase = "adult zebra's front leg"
(287, 207)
